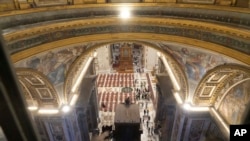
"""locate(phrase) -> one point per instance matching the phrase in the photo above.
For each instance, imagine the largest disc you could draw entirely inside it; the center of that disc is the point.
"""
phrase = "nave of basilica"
(144, 70)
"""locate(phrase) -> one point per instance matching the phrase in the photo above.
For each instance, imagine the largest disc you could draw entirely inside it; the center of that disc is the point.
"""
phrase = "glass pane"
(2, 136)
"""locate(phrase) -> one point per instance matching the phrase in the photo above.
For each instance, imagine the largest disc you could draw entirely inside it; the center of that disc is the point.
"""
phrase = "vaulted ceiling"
(214, 40)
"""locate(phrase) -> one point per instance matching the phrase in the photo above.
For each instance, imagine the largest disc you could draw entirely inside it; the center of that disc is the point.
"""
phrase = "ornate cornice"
(101, 22)
(179, 30)
(117, 5)
(238, 17)
(146, 37)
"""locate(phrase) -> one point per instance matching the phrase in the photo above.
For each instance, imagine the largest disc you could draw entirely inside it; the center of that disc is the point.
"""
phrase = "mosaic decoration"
(54, 64)
(127, 90)
(235, 103)
(225, 40)
(195, 63)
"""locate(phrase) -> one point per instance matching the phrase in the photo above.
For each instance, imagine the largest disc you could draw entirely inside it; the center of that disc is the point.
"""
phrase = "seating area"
(116, 80)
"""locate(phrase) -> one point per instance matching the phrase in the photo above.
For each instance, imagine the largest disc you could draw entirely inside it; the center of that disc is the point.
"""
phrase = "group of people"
(137, 58)
(143, 92)
(146, 121)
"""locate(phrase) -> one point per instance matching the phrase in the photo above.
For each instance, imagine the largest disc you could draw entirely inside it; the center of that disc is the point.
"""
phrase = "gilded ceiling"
(38, 91)
(208, 47)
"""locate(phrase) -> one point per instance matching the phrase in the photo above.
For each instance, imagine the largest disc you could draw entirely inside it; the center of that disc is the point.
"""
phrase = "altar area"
(125, 60)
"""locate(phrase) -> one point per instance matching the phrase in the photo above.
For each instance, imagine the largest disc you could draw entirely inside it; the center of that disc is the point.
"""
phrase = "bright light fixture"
(125, 13)
(66, 108)
(197, 109)
(159, 54)
(73, 100)
(186, 106)
(48, 111)
(178, 98)
(32, 108)
(82, 73)
(95, 54)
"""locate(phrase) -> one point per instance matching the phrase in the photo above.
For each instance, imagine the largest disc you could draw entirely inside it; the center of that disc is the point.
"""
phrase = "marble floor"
(107, 116)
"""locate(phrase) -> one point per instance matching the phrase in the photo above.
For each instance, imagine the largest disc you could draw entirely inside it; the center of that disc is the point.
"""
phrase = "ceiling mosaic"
(55, 63)
(225, 40)
(194, 62)
(235, 103)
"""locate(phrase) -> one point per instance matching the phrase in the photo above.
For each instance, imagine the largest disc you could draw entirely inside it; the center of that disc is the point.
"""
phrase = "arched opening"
(192, 40)
(114, 86)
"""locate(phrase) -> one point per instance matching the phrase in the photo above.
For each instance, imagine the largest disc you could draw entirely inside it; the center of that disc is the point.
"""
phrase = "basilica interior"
(116, 70)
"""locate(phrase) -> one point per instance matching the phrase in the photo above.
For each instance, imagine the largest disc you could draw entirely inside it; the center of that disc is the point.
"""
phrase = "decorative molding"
(198, 1)
(37, 88)
(144, 38)
(40, 3)
(180, 77)
(205, 12)
(73, 74)
(207, 91)
(184, 28)
(215, 83)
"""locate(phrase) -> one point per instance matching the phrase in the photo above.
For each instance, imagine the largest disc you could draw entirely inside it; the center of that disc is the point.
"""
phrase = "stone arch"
(212, 87)
(146, 38)
(139, 37)
(38, 91)
(178, 72)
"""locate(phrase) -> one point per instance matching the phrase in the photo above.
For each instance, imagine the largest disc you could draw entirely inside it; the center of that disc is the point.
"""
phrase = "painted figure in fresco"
(55, 65)
(235, 103)
(191, 61)
(195, 63)
(57, 74)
